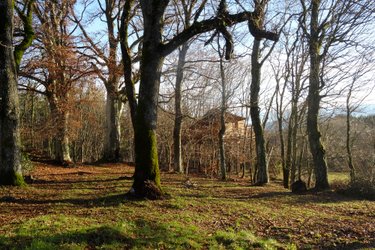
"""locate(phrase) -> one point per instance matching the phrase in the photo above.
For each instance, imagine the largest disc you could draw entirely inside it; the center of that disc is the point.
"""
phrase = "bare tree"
(256, 67)
(290, 77)
(185, 12)
(327, 24)
(154, 50)
(109, 68)
(355, 85)
(223, 110)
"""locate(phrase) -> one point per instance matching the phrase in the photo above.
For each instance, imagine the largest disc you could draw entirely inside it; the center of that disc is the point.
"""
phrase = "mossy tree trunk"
(10, 166)
(313, 102)
(146, 155)
(144, 113)
(327, 24)
(26, 16)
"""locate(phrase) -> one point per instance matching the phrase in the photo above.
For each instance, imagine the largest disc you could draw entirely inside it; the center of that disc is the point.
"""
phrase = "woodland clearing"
(85, 207)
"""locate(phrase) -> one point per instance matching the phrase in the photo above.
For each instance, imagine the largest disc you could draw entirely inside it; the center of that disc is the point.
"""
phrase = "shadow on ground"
(106, 201)
(139, 235)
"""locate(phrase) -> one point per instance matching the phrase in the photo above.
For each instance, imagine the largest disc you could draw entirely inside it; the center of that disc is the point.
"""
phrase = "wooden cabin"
(202, 142)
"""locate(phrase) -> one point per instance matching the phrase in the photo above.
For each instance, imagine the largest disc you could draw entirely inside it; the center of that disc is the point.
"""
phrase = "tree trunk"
(113, 130)
(222, 119)
(10, 166)
(262, 168)
(280, 114)
(283, 157)
(60, 117)
(178, 113)
(348, 139)
(147, 175)
(291, 141)
(146, 155)
(313, 102)
(113, 103)
(61, 142)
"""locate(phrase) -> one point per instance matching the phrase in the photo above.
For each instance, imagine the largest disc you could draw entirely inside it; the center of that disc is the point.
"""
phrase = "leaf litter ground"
(85, 207)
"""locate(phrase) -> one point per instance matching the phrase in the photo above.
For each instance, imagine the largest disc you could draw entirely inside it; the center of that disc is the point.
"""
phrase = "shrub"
(27, 164)
(360, 188)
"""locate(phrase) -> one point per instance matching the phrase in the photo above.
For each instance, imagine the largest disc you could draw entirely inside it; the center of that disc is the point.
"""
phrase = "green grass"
(69, 232)
(338, 177)
(92, 213)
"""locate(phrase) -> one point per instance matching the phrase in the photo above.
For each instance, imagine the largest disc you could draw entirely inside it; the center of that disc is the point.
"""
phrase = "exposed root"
(149, 190)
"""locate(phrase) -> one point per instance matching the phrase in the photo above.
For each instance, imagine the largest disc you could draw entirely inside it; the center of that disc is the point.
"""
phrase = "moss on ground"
(65, 209)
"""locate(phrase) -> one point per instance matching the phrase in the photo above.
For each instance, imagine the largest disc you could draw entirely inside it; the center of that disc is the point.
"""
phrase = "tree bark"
(292, 140)
(60, 117)
(10, 166)
(262, 173)
(146, 155)
(222, 119)
(113, 103)
(280, 114)
(348, 137)
(144, 114)
(26, 16)
(113, 130)
(282, 153)
(313, 101)
(178, 113)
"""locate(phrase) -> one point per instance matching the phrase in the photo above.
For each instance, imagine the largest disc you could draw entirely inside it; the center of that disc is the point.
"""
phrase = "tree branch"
(213, 23)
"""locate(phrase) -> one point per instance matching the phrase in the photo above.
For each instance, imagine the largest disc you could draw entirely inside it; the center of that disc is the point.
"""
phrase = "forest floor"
(85, 208)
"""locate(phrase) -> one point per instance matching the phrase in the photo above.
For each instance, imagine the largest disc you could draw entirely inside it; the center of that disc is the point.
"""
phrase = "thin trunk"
(178, 113)
(32, 120)
(222, 120)
(283, 157)
(251, 165)
(127, 60)
(280, 113)
(292, 137)
(348, 139)
(262, 168)
(10, 166)
(313, 100)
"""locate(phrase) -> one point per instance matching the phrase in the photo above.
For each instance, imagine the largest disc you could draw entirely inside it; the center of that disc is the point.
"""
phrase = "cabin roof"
(213, 116)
